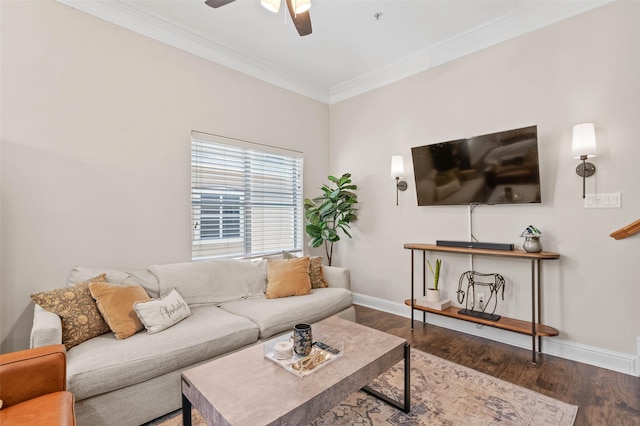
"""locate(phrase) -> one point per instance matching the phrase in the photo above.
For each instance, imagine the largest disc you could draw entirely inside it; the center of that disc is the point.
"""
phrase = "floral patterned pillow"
(81, 319)
(315, 270)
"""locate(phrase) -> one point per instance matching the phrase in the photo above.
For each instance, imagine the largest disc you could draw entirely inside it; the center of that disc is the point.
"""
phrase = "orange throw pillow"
(116, 305)
(288, 277)
(315, 269)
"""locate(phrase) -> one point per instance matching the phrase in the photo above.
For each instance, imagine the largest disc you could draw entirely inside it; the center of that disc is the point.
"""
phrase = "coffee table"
(245, 388)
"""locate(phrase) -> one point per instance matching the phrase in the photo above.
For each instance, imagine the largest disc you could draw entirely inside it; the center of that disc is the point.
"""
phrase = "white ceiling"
(349, 51)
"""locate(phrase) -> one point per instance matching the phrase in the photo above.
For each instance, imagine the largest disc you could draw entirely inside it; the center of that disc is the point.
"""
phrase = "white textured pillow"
(144, 278)
(211, 281)
(158, 314)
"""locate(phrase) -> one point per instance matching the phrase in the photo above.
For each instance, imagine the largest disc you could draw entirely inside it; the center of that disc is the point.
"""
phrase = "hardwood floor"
(604, 397)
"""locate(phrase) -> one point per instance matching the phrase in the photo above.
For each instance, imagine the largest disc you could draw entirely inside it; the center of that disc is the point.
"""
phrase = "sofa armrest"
(32, 373)
(47, 328)
(337, 277)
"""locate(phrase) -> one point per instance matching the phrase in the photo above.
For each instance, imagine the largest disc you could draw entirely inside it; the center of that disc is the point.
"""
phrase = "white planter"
(532, 244)
(433, 295)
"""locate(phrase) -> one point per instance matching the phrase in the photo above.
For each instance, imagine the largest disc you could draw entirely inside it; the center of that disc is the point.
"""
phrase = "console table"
(533, 328)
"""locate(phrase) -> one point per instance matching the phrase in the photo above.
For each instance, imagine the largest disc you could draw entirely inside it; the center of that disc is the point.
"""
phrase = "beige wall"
(95, 159)
(582, 69)
(96, 124)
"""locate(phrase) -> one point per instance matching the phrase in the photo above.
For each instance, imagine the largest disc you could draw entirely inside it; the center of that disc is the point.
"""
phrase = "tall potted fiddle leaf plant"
(331, 213)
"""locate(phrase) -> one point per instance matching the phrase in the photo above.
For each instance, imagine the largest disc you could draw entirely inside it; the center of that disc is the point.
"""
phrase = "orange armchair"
(33, 388)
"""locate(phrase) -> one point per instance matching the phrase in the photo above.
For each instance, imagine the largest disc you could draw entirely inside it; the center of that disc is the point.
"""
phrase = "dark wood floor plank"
(519, 369)
(604, 397)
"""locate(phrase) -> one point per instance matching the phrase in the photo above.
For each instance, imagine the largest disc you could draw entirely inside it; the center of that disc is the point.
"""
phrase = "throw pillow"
(158, 314)
(315, 269)
(315, 273)
(287, 255)
(288, 277)
(80, 317)
(214, 281)
(116, 305)
(142, 277)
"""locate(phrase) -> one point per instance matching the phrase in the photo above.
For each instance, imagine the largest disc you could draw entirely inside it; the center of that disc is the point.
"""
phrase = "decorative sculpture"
(472, 278)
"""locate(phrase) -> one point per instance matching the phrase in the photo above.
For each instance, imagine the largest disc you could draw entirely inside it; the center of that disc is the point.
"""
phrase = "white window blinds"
(246, 199)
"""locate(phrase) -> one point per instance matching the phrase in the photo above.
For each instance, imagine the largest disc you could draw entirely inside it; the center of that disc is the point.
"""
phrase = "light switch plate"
(609, 200)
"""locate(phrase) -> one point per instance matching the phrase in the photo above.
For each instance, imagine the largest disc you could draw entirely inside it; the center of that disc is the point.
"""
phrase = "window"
(219, 215)
(246, 199)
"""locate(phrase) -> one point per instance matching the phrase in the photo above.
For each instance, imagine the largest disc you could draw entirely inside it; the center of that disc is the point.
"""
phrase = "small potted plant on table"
(532, 242)
(433, 294)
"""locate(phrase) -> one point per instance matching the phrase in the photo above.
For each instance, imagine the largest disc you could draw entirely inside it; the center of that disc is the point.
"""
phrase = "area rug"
(442, 393)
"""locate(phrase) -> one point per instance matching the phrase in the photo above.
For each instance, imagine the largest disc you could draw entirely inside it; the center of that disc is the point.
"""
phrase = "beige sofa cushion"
(211, 281)
(274, 316)
(337, 277)
(103, 364)
(138, 277)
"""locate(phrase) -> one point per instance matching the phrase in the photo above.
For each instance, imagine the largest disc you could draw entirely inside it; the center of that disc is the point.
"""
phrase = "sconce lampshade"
(584, 140)
(271, 5)
(583, 146)
(300, 6)
(397, 166)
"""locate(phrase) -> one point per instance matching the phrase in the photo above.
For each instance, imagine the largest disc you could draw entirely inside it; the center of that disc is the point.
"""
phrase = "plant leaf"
(331, 212)
(316, 242)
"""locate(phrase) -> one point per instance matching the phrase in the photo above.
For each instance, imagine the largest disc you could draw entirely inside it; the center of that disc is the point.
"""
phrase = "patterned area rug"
(442, 393)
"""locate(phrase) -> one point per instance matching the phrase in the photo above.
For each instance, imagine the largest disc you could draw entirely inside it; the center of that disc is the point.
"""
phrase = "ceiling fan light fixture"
(300, 6)
(271, 5)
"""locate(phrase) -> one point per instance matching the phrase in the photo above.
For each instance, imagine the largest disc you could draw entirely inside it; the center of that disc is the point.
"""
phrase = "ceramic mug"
(302, 339)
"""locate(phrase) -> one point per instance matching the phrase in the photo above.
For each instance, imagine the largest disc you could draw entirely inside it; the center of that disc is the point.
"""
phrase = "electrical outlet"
(481, 299)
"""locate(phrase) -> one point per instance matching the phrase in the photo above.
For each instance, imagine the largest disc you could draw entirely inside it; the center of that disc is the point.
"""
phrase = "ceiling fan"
(298, 9)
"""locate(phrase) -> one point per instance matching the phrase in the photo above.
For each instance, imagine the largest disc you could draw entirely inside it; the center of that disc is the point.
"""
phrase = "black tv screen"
(497, 168)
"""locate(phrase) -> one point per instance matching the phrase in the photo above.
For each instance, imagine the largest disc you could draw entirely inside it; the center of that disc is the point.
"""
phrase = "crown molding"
(509, 26)
(125, 15)
(502, 29)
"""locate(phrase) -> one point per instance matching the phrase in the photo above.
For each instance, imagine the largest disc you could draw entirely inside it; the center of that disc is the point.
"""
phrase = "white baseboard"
(604, 358)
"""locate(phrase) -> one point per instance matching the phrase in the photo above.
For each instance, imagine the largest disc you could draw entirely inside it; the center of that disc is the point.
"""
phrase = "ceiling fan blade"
(302, 21)
(217, 3)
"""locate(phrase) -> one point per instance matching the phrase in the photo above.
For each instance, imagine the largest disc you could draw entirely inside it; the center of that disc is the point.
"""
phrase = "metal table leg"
(186, 411)
(406, 404)
(413, 300)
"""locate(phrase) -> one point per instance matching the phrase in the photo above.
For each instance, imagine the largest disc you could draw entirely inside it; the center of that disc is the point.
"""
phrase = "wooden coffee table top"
(245, 388)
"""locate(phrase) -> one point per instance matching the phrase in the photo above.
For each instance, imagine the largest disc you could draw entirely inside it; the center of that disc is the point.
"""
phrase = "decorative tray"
(324, 352)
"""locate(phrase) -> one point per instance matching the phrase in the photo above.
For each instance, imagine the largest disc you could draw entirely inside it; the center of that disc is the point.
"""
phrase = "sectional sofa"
(132, 380)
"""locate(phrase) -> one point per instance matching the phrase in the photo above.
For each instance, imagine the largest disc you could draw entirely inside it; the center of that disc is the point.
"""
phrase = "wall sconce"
(271, 5)
(583, 146)
(397, 170)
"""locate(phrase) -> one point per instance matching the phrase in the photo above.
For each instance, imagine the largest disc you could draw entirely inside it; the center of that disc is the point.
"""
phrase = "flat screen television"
(497, 168)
